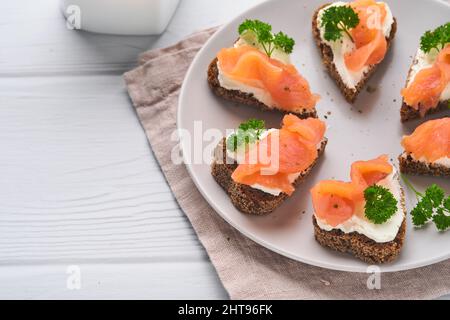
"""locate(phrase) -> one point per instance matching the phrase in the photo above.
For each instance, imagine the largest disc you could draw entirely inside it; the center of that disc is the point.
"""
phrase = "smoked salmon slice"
(335, 201)
(369, 39)
(371, 17)
(247, 65)
(367, 173)
(289, 150)
(309, 129)
(424, 91)
(368, 54)
(430, 140)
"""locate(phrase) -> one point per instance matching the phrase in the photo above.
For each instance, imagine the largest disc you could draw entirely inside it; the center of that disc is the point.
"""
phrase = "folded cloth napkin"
(246, 269)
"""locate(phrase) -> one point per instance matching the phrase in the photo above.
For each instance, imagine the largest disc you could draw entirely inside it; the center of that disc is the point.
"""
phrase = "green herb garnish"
(268, 41)
(247, 132)
(432, 205)
(435, 39)
(380, 204)
(338, 19)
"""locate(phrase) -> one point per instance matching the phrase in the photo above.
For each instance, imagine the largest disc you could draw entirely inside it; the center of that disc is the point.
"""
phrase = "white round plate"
(364, 130)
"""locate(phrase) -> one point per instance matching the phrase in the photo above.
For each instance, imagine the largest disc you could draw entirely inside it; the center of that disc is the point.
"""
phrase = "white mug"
(126, 17)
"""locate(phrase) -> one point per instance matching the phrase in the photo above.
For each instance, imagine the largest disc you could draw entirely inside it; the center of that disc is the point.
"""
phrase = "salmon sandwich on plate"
(428, 83)
(257, 71)
(353, 38)
(427, 149)
(366, 216)
(259, 168)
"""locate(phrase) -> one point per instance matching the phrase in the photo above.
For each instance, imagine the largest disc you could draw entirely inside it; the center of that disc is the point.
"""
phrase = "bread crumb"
(371, 89)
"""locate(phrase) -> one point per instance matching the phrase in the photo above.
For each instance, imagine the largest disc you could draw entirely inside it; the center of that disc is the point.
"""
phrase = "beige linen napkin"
(248, 270)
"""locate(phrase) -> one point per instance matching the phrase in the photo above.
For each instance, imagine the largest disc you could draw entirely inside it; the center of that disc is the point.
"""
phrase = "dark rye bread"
(327, 59)
(408, 165)
(361, 246)
(408, 113)
(245, 198)
(247, 98)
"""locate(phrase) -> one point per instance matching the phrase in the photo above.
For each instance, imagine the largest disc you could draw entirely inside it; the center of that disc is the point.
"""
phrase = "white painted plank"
(69, 196)
(69, 193)
(157, 280)
(43, 45)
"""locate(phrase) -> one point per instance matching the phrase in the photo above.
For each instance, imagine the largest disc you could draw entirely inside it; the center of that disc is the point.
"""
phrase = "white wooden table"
(81, 193)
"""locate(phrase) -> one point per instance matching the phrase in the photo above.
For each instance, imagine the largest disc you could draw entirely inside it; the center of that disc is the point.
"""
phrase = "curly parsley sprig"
(431, 206)
(268, 41)
(436, 39)
(247, 132)
(380, 204)
(338, 19)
